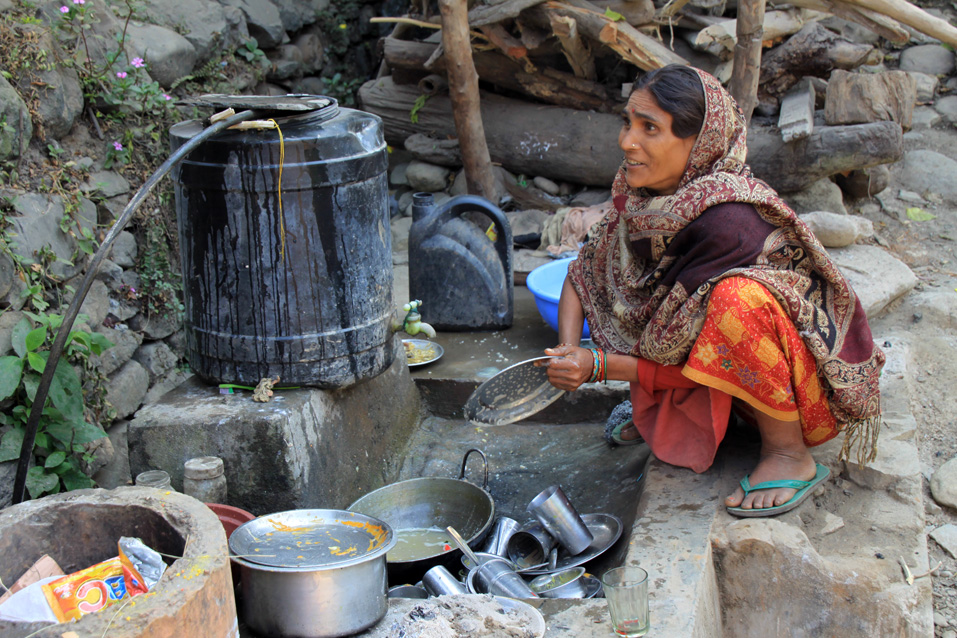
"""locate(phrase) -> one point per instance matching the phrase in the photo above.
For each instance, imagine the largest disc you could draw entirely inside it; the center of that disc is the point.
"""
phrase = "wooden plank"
(796, 120)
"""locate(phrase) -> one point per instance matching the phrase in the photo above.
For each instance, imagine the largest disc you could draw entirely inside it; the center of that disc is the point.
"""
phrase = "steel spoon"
(463, 546)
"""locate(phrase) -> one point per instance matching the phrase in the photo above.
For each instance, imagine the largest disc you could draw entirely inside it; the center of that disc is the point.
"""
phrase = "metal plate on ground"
(515, 393)
(311, 538)
(605, 529)
(536, 622)
(420, 352)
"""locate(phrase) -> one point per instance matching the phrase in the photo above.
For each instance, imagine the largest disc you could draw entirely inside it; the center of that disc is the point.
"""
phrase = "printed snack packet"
(87, 590)
(142, 566)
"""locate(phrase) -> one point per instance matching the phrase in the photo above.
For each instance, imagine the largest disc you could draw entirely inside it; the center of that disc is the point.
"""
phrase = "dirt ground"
(929, 248)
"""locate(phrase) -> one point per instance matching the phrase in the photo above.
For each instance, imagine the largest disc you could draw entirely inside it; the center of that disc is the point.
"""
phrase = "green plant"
(63, 429)
(160, 284)
(251, 52)
(416, 107)
(341, 89)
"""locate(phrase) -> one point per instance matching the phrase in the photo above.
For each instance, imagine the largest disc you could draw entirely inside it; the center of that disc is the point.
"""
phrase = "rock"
(427, 177)
(311, 50)
(96, 454)
(932, 59)
(926, 86)
(124, 250)
(15, 135)
(117, 471)
(925, 117)
(770, 571)
(106, 183)
(400, 233)
(168, 55)
(524, 222)
(286, 63)
(125, 342)
(940, 620)
(946, 537)
(896, 461)
(836, 231)
(832, 523)
(7, 274)
(864, 182)
(590, 197)
(929, 172)
(822, 195)
(156, 326)
(938, 307)
(59, 94)
(127, 388)
(856, 98)
(398, 175)
(262, 20)
(8, 475)
(877, 277)
(177, 343)
(295, 14)
(405, 203)
(96, 304)
(8, 319)
(502, 178)
(547, 185)
(947, 107)
(37, 227)
(943, 486)
(157, 358)
(171, 381)
(208, 26)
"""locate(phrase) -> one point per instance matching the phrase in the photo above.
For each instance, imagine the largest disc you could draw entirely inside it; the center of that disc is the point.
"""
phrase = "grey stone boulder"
(155, 326)
(61, 101)
(127, 388)
(173, 379)
(210, 27)
(400, 233)
(925, 117)
(125, 342)
(943, 485)
(96, 454)
(423, 176)
(8, 273)
(835, 230)
(156, 358)
(8, 319)
(168, 55)
(939, 307)
(286, 63)
(821, 195)
(124, 249)
(946, 537)
(932, 59)
(864, 182)
(8, 474)
(877, 277)
(309, 43)
(398, 176)
(925, 172)
(547, 185)
(106, 183)
(590, 197)
(17, 128)
(36, 226)
(926, 86)
(262, 20)
(96, 304)
(947, 107)
(117, 471)
(295, 14)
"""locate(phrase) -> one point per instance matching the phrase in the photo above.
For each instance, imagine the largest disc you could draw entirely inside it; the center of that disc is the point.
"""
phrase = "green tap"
(412, 324)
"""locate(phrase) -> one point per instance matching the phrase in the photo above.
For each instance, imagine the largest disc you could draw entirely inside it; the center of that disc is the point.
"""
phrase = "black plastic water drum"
(287, 272)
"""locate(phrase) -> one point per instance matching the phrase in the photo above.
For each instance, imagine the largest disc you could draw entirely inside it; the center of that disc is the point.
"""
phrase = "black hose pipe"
(33, 421)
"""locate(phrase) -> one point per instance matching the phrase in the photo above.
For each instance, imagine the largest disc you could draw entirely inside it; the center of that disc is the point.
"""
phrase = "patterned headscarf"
(633, 289)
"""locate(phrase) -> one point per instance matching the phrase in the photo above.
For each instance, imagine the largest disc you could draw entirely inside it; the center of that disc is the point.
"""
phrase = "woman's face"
(655, 158)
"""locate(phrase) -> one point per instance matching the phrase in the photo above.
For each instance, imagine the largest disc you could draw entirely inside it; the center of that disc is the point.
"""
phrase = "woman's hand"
(572, 369)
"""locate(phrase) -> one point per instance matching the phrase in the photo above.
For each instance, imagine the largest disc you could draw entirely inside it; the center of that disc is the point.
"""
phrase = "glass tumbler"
(626, 589)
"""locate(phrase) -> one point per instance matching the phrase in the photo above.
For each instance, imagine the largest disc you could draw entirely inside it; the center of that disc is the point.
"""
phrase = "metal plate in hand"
(515, 393)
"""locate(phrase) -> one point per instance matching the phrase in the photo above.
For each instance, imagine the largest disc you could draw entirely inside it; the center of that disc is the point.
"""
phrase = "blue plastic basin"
(546, 283)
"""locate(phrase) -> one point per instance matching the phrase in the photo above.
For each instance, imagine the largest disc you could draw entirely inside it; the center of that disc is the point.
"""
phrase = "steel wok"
(425, 503)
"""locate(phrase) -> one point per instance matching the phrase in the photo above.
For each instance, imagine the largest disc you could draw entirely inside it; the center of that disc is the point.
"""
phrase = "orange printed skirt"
(749, 350)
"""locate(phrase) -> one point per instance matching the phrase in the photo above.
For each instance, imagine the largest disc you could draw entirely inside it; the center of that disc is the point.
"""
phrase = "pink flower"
(137, 62)
(79, 1)
(117, 146)
(121, 74)
(168, 97)
(64, 10)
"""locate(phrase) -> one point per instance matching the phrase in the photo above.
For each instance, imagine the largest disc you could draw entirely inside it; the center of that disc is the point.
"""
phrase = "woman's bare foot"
(783, 457)
(774, 467)
(629, 433)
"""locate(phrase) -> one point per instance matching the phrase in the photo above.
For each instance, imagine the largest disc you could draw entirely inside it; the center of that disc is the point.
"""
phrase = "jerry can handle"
(461, 204)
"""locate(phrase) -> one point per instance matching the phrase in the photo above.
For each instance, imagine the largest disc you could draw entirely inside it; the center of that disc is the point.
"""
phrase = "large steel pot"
(432, 503)
(312, 573)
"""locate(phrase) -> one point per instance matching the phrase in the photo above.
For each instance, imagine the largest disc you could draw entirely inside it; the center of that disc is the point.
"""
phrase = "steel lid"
(311, 539)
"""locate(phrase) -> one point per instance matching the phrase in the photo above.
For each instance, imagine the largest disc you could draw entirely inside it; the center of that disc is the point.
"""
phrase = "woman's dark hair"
(678, 91)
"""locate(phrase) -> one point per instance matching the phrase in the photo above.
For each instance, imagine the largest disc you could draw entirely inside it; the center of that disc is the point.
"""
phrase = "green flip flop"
(803, 488)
